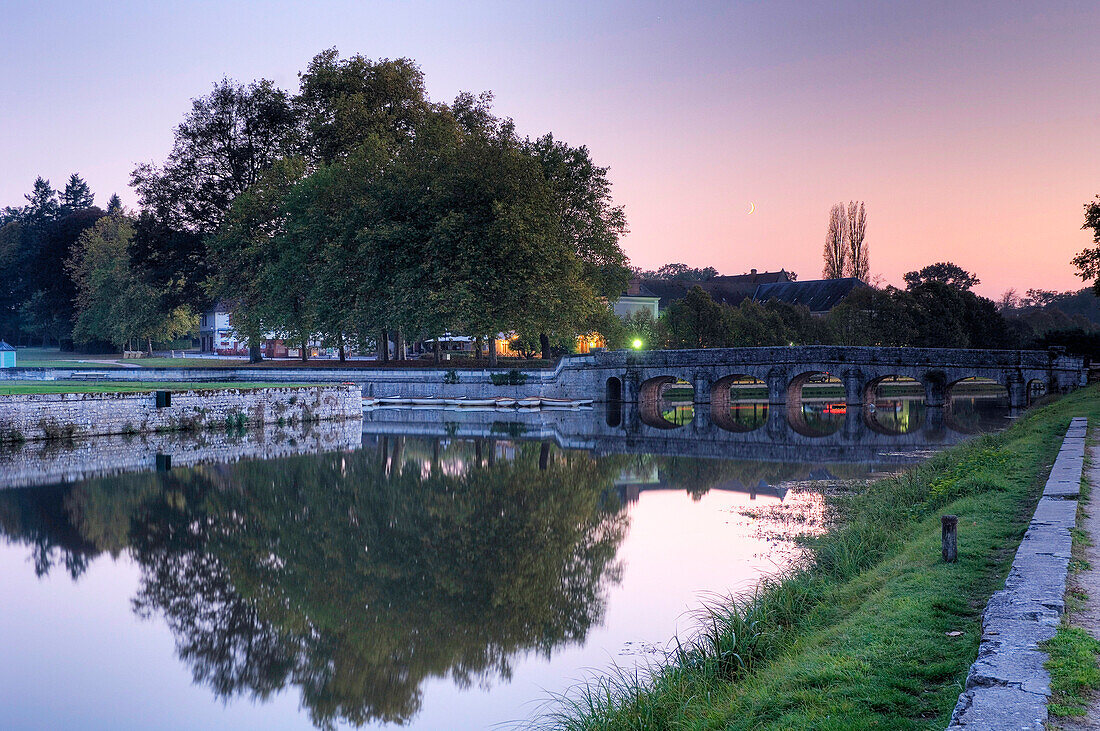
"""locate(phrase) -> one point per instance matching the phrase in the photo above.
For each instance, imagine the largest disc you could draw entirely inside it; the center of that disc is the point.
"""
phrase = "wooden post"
(950, 526)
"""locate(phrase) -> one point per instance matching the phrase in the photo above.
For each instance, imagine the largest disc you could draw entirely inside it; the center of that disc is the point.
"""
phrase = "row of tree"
(937, 309)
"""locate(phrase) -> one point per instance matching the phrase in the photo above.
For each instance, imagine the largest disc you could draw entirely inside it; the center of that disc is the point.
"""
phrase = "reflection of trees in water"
(697, 477)
(973, 414)
(325, 573)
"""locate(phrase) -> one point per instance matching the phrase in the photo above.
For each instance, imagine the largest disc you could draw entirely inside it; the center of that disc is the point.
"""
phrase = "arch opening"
(1036, 389)
(666, 402)
(739, 403)
(613, 395)
(976, 404)
(816, 404)
(894, 405)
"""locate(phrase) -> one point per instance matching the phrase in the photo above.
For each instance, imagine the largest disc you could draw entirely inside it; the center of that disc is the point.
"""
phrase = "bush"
(511, 378)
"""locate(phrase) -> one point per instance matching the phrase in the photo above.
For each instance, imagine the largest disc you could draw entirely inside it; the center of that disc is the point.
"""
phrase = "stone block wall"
(43, 462)
(75, 415)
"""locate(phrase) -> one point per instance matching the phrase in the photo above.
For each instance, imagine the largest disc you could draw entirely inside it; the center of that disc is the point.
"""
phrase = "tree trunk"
(399, 345)
(544, 456)
(477, 348)
(305, 350)
(493, 352)
(254, 353)
(343, 355)
(149, 343)
(435, 349)
(544, 343)
(384, 346)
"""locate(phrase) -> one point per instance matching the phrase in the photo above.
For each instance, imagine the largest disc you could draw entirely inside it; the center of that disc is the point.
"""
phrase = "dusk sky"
(970, 129)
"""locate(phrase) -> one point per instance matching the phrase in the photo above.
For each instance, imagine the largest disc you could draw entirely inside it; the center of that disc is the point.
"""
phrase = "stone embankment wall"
(25, 417)
(1007, 686)
(30, 464)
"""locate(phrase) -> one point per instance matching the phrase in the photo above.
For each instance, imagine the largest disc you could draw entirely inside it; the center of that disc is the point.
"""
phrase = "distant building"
(819, 295)
(7, 355)
(657, 294)
(637, 298)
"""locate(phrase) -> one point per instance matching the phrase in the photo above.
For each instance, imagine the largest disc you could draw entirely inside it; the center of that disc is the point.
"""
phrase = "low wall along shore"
(25, 417)
(29, 464)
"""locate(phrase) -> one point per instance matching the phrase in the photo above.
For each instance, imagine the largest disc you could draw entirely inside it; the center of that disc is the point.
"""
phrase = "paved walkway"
(1007, 686)
(1088, 616)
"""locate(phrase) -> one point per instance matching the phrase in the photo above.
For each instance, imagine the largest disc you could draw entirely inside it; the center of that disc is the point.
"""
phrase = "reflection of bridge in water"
(610, 431)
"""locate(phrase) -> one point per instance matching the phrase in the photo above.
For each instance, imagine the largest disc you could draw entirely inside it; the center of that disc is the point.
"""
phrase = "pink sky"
(970, 129)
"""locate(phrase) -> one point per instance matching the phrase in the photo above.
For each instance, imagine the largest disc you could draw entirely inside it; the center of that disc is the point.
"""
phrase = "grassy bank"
(872, 630)
(17, 387)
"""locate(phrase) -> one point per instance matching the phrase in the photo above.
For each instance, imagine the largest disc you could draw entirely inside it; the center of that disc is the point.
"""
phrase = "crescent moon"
(752, 207)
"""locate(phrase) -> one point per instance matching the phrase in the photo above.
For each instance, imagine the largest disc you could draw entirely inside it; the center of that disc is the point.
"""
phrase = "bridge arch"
(652, 403)
(731, 412)
(800, 381)
(1036, 388)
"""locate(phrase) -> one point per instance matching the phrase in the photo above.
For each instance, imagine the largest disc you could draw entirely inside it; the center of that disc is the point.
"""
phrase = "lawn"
(21, 387)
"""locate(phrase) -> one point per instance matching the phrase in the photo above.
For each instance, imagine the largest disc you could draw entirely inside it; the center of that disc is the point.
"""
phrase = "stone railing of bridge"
(639, 377)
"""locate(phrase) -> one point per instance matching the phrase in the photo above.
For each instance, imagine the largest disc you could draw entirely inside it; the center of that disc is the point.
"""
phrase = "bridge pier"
(777, 386)
(853, 386)
(1017, 391)
(702, 384)
(935, 393)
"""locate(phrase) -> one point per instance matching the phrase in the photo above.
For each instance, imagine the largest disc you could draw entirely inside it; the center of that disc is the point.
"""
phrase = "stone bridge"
(640, 377)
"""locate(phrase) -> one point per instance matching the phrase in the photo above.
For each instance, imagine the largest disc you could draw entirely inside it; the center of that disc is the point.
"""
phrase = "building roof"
(5, 346)
(730, 290)
(819, 295)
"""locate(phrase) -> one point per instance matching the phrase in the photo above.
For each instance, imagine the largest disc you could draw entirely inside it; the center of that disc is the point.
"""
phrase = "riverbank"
(873, 629)
(34, 416)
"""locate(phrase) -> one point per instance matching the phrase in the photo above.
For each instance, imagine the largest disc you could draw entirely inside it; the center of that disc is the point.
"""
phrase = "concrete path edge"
(1007, 686)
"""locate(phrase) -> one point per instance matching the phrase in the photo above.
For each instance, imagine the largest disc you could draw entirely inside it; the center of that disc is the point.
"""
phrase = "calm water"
(450, 572)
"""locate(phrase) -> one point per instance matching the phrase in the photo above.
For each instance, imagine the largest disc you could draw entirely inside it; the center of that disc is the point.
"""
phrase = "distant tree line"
(937, 309)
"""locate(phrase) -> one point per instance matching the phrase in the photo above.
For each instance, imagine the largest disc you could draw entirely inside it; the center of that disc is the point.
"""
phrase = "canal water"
(440, 574)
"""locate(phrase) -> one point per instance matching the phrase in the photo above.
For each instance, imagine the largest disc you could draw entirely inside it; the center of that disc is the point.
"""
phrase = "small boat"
(454, 401)
(392, 400)
(425, 401)
(477, 402)
(504, 402)
(370, 401)
(528, 402)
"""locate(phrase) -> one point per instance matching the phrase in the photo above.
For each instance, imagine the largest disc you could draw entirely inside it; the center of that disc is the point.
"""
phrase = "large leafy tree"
(113, 300)
(943, 272)
(224, 145)
(1088, 261)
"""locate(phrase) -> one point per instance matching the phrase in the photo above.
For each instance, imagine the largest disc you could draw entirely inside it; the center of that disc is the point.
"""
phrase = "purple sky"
(970, 129)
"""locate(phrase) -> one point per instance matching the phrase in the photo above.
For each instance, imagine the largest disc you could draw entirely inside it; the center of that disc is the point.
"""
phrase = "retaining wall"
(75, 415)
(30, 464)
(1007, 686)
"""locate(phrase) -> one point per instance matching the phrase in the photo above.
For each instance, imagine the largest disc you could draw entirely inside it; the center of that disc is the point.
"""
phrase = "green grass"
(1073, 670)
(857, 636)
(10, 387)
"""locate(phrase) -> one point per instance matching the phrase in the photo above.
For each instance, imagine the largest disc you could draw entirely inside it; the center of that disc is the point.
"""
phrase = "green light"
(637, 343)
